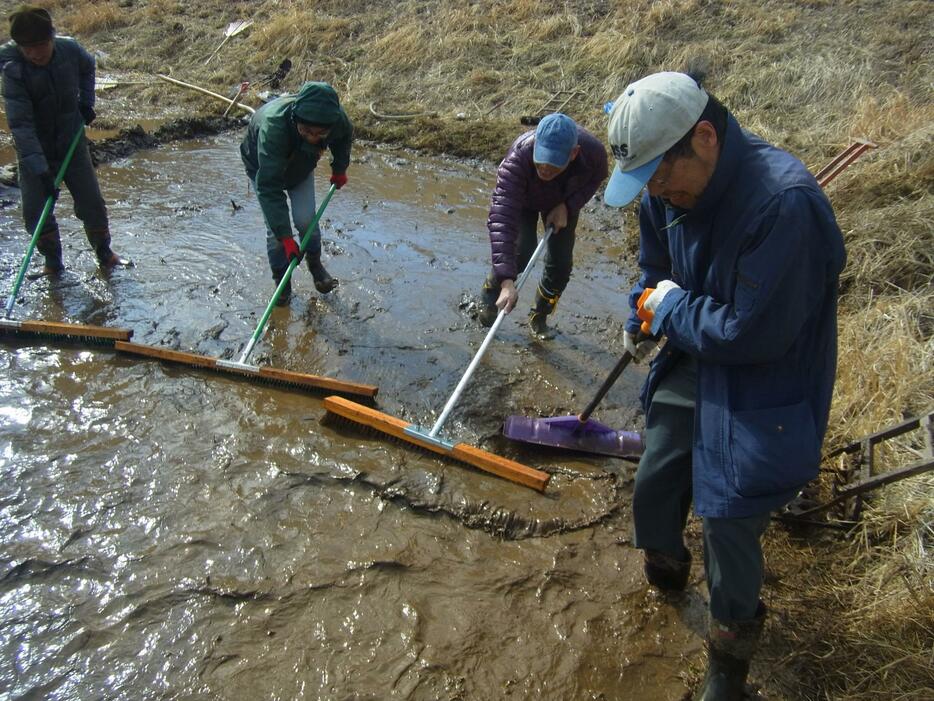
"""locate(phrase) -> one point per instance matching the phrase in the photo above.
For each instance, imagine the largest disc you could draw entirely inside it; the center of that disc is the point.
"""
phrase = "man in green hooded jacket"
(283, 143)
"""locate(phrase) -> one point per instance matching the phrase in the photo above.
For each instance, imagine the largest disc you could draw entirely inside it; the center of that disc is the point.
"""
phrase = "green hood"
(317, 103)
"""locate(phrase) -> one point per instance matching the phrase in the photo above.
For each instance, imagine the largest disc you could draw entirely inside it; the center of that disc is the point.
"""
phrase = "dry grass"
(808, 76)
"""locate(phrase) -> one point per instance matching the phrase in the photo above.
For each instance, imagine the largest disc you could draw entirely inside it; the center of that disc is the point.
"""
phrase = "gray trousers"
(303, 205)
(733, 562)
(81, 181)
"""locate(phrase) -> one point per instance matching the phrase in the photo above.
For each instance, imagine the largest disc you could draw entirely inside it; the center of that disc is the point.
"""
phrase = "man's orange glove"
(649, 300)
(647, 315)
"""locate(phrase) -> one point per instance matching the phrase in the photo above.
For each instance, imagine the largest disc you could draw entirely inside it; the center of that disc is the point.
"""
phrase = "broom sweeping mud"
(241, 368)
(580, 432)
(54, 330)
(431, 439)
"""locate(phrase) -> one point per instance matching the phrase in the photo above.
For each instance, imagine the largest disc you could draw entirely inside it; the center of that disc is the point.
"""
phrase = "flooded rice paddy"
(170, 533)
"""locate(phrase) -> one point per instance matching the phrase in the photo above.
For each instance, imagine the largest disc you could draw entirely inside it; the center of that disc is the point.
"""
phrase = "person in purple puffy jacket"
(548, 174)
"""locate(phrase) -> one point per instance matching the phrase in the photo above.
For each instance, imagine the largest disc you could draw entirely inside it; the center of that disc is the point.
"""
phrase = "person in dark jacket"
(742, 253)
(281, 148)
(48, 93)
(549, 173)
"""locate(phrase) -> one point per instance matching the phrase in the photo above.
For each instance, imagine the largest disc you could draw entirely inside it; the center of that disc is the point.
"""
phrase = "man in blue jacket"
(48, 92)
(741, 253)
(548, 174)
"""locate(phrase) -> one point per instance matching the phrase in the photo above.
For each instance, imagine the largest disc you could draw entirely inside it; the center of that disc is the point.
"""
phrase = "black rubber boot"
(50, 246)
(538, 315)
(665, 572)
(730, 647)
(100, 242)
(489, 293)
(324, 283)
(286, 295)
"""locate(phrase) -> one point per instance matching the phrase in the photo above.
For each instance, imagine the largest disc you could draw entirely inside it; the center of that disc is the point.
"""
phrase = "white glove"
(661, 289)
(638, 351)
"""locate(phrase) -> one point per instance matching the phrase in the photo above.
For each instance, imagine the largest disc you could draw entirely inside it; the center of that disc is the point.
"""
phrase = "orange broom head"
(396, 428)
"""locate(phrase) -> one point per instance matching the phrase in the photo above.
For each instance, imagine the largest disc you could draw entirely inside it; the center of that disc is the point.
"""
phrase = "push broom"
(580, 432)
(53, 330)
(431, 439)
(241, 368)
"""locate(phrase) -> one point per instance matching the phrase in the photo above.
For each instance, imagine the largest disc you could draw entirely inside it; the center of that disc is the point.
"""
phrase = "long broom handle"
(49, 204)
(489, 338)
(610, 380)
(306, 239)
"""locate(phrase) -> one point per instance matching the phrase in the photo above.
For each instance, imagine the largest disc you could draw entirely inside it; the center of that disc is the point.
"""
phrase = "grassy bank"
(856, 613)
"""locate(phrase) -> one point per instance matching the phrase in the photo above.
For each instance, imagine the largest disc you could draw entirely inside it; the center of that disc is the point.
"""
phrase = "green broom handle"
(285, 278)
(49, 204)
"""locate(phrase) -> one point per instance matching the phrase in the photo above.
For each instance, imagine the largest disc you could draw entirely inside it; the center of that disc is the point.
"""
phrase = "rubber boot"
(286, 295)
(324, 283)
(489, 293)
(50, 246)
(100, 242)
(544, 305)
(730, 647)
(665, 572)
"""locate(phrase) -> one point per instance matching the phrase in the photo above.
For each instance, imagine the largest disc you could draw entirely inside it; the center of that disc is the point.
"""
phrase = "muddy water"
(167, 533)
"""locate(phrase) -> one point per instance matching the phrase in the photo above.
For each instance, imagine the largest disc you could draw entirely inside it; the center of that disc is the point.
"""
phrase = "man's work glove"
(638, 345)
(48, 184)
(339, 179)
(650, 299)
(87, 113)
(291, 249)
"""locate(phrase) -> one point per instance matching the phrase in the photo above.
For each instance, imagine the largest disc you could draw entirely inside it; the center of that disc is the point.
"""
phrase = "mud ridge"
(133, 139)
(479, 515)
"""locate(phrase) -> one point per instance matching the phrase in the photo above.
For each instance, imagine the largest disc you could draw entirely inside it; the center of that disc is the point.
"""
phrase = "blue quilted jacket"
(519, 188)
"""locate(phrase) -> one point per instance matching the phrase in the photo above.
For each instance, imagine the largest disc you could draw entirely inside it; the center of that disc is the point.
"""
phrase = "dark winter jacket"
(758, 259)
(519, 188)
(42, 101)
(277, 158)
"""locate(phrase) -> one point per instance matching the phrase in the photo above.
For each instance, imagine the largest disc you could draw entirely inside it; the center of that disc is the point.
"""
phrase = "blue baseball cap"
(555, 138)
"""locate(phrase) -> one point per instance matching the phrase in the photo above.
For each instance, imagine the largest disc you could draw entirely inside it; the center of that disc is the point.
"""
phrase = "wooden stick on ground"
(205, 92)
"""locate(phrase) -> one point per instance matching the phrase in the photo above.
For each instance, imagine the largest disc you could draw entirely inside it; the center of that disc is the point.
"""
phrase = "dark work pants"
(733, 563)
(81, 181)
(559, 256)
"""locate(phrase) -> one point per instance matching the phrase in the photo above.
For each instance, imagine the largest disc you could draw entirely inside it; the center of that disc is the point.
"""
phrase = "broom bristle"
(59, 331)
(264, 375)
(344, 410)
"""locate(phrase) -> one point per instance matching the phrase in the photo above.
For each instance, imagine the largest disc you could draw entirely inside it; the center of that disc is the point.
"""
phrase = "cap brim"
(625, 186)
(551, 157)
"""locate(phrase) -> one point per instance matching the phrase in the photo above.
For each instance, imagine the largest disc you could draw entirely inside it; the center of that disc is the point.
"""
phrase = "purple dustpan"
(570, 432)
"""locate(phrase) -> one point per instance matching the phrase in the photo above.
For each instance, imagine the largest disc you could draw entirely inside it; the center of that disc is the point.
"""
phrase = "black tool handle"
(611, 380)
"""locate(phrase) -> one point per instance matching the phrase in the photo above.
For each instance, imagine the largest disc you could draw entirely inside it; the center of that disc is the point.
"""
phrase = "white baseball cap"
(649, 118)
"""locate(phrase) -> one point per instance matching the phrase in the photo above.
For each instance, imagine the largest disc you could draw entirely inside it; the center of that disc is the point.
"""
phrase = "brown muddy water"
(168, 533)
